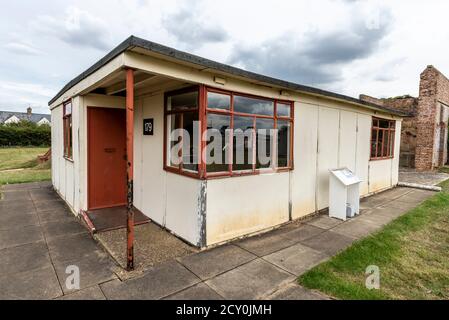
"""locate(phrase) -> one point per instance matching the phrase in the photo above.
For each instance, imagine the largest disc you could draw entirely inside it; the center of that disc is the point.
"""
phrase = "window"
(382, 139)
(67, 130)
(255, 132)
(181, 116)
(238, 134)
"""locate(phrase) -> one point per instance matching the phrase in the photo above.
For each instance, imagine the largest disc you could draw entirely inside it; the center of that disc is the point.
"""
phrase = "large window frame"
(203, 112)
(232, 113)
(180, 169)
(67, 130)
(381, 135)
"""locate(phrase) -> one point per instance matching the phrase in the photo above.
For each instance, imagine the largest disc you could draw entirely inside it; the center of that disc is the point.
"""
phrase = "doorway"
(106, 131)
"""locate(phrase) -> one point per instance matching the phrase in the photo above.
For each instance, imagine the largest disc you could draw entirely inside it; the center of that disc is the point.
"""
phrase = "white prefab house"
(206, 204)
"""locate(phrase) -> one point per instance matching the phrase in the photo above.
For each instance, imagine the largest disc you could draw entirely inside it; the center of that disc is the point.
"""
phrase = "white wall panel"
(348, 140)
(328, 139)
(363, 151)
(305, 156)
(242, 205)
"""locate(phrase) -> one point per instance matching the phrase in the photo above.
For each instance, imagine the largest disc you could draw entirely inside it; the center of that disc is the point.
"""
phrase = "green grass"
(19, 165)
(411, 252)
(444, 169)
(20, 157)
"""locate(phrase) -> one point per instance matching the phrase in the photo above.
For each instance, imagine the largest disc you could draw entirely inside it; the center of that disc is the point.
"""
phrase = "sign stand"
(344, 194)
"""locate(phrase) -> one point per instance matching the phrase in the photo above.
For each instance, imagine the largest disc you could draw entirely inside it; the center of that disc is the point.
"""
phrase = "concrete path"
(39, 239)
(428, 178)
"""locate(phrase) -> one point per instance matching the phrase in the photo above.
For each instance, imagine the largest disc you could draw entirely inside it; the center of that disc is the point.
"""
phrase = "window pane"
(264, 143)
(392, 136)
(217, 160)
(379, 143)
(283, 110)
(386, 143)
(384, 123)
(284, 129)
(253, 106)
(189, 145)
(68, 108)
(243, 143)
(218, 101)
(373, 143)
(183, 101)
(173, 123)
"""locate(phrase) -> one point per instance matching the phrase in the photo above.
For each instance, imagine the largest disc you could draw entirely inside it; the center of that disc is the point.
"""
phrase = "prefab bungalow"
(208, 204)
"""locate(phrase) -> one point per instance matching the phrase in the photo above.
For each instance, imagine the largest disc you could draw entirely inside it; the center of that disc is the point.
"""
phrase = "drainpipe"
(130, 169)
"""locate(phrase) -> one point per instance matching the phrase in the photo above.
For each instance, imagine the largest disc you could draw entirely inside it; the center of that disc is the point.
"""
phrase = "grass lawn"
(411, 252)
(444, 169)
(19, 165)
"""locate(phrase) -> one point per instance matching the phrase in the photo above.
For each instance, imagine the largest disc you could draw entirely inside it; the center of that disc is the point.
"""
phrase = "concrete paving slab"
(416, 196)
(303, 232)
(328, 242)
(429, 178)
(296, 259)
(210, 263)
(264, 244)
(17, 220)
(57, 229)
(43, 194)
(24, 258)
(159, 282)
(15, 195)
(201, 291)
(22, 186)
(356, 228)
(94, 269)
(17, 206)
(48, 205)
(16, 237)
(251, 281)
(324, 222)
(40, 284)
(73, 247)
(55, 215)
(92, 293)
(294, 291)
(380, 217)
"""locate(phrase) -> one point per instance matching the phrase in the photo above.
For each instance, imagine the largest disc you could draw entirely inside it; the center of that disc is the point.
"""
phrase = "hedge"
(25, 136)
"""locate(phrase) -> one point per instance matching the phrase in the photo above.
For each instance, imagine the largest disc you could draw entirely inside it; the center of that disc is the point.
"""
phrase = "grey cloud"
(318, 58)
(22, 48)
(78, 28)
(187, 27)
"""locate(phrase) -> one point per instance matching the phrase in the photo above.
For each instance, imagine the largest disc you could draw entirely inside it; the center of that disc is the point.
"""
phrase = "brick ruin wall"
(432, 120)
(424, 136)
(409, 126)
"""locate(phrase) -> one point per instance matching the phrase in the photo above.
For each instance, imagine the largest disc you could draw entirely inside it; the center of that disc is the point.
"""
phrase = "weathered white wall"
(170, 200)
(65, 175)
(243, 205)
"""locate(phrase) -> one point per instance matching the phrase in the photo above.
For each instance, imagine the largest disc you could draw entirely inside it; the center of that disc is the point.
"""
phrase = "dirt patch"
(153, 245)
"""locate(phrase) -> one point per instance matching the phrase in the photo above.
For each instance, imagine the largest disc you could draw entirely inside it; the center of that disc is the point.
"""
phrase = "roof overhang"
(114, 61)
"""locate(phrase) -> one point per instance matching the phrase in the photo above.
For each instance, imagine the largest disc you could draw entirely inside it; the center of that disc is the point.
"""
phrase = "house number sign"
(148, 127)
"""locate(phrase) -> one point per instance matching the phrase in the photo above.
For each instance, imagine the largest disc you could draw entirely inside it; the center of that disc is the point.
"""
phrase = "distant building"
(7, 117)
(424, 138)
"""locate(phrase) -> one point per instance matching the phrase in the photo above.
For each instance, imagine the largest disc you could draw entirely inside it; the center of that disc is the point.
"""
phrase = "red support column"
(130, 169)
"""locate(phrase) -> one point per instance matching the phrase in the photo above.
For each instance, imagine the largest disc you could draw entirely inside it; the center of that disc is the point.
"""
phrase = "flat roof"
(135, 42)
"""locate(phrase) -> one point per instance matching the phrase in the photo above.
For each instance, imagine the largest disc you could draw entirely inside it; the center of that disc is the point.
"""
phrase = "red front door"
(106, 157)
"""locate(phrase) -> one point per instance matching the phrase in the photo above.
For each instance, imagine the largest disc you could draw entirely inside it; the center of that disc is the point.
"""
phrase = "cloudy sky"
(348, 46)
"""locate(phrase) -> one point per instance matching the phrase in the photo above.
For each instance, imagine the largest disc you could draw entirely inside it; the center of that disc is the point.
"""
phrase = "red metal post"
(130, 171)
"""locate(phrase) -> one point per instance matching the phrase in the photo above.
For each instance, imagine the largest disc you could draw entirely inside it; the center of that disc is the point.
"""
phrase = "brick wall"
(432, 120)
(424, 136)
(406, 104)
